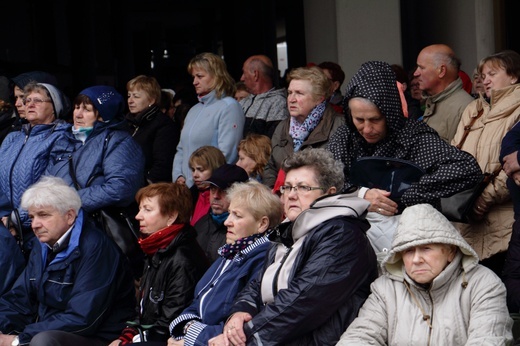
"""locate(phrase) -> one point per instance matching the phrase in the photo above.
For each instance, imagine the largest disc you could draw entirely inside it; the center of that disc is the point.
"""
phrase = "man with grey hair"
(266, 106)
(438, 78)
(77, 288)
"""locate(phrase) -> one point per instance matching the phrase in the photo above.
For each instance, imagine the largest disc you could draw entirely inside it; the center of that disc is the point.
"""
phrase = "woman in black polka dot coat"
(376, 127)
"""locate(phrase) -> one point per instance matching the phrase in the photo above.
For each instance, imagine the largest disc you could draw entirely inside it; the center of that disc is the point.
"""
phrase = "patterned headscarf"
(375, 81)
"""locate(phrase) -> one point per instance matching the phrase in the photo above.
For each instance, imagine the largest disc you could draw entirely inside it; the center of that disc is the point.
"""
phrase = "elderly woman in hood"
(376, 127)
(433, 291)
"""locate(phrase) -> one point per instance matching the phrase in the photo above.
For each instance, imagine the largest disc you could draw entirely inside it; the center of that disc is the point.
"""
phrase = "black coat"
(168, 282)
(329, 281)
(210, 236)
(158, 136)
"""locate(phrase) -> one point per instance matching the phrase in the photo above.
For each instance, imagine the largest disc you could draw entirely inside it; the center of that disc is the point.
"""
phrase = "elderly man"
(437, 74)
(211, 232)
(77, 288)
(266, 106)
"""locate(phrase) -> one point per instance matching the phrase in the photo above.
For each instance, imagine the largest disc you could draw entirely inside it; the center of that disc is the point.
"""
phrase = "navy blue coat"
(88, 289)
(110, 163)
(12, 261)
(215, 293)
(511, 273)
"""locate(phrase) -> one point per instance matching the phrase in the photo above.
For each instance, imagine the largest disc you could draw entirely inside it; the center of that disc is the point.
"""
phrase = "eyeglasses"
(302, 189)
(35, 101)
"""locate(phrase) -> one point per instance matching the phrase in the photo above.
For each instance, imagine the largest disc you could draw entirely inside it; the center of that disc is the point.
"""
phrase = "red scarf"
(160, 239)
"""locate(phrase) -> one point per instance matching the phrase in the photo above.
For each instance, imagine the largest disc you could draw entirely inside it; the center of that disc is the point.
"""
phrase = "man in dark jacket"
(211, 232)
(77, 288)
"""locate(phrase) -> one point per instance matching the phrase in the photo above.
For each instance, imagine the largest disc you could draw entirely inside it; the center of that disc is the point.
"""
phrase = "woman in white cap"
(99, 158)
(25, 154)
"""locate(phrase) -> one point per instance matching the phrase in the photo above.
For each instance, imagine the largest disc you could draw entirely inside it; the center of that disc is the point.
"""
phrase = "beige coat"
(465, 304)
(490, 235)
(444, 110)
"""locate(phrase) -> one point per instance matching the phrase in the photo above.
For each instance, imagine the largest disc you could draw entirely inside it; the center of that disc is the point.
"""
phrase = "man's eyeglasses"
(298, 188)
(35, 101)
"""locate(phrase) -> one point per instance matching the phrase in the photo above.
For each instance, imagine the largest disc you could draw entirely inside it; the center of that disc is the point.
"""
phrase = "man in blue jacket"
(77, 288)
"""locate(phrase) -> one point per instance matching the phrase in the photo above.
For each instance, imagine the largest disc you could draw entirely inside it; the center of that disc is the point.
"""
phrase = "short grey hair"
(329, 172)
(51, 192)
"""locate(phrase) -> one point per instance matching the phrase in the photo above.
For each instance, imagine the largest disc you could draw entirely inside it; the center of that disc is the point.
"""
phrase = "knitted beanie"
(108, 102)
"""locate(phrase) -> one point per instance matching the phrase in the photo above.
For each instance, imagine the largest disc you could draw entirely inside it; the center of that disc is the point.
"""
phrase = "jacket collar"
(324, 208)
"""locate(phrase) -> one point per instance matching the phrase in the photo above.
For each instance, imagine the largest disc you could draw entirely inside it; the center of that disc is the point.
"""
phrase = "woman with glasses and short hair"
(26, 154)
(318, 272)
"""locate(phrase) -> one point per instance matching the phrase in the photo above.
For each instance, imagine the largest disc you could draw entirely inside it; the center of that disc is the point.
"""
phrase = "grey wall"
(351, 32)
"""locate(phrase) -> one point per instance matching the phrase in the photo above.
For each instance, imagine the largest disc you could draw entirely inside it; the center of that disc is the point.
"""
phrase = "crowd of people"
(263, 215)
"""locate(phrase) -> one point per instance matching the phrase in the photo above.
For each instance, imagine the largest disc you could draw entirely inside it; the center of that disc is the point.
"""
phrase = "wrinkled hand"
(380, 202)
(234, 329)
(173, 342)
(511, 164)
(480, 208)
(218, 340)
(516, 177)
(6, 339)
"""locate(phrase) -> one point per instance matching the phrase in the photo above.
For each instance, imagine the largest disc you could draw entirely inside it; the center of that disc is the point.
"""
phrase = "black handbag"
(119, 226)
(459, 207)
(385, 173)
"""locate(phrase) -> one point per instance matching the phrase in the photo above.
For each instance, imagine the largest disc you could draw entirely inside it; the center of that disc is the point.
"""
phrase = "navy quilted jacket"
(109, 167)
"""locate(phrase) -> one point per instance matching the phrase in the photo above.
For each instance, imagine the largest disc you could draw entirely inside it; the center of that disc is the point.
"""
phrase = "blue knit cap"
(106, 99)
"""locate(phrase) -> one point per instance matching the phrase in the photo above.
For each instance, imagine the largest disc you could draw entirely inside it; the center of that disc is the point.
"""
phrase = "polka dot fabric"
(448, 169)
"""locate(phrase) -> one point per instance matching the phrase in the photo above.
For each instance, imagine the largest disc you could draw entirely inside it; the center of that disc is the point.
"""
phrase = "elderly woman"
(312, 121)
(253, 211)
(155, 132)
(26, 154)
(490, 232)
(217, 119)
(433, 291)
(174, 260)
(101, 160)
(253, 153)
(318, 272)
(107, 163)
(376, 127)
